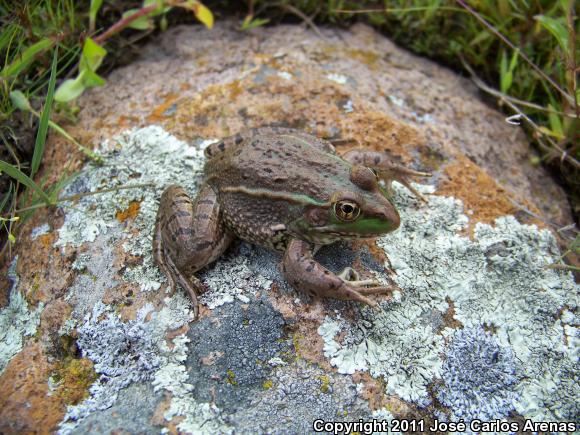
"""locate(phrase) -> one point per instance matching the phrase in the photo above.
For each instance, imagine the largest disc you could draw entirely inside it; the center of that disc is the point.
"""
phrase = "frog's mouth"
(365, 228)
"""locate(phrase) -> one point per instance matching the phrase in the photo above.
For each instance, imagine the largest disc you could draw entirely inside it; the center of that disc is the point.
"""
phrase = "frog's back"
(280, 163)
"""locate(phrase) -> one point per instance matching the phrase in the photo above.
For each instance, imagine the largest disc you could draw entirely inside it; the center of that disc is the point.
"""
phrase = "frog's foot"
(402, 175)
(352, 277)
(364, 286)
(385, 169)
(192, 286)
(305, 274)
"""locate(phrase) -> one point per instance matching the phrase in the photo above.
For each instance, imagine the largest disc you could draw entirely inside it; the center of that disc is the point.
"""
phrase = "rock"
(478, 328)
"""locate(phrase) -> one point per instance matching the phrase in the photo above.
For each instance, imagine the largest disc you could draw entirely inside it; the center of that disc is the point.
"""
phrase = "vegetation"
(525, 52)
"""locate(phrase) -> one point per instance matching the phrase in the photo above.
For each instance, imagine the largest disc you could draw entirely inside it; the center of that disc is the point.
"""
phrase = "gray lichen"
(478, 375)
(17, 321)
(124, 353)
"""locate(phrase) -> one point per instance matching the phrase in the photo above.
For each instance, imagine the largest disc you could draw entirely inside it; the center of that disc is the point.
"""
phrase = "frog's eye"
(346, 210)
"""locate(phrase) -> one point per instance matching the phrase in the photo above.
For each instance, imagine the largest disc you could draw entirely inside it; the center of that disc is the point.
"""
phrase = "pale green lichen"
(498, 280)
(17, 321)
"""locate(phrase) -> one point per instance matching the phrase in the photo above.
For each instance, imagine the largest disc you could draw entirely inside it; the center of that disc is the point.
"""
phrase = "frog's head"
(361, 210)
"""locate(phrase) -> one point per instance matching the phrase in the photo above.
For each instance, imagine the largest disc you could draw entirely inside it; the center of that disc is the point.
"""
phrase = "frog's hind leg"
(188, 236)
(386, 170)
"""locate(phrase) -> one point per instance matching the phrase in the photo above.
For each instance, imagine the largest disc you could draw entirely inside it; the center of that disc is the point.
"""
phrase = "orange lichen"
(75, 376)
(235, 90)
(130, 213)
(25, 406)
(373, 389)
(159, 113)
(47, 274)
(127, 120)
(483, 199)
(449, 320)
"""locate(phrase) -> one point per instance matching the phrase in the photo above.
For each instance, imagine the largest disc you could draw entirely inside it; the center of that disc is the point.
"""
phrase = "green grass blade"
(6, 198)
(44, 118)
(94, 9)
(20, 176)
(27, 56)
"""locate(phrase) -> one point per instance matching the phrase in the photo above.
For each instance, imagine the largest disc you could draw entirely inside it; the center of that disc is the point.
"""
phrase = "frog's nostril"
(392, 216)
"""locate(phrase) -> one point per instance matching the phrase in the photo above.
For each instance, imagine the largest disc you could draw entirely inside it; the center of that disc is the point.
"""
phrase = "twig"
(304, 17)
(386, 10)
(556, 226)
(572, 48)
(82, 195)
(481, 85)
(517, 49)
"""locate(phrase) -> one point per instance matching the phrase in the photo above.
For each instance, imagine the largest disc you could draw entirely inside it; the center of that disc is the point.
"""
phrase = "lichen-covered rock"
(479, 328)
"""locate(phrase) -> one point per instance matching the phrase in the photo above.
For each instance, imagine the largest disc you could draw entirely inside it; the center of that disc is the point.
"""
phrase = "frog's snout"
(391, 215)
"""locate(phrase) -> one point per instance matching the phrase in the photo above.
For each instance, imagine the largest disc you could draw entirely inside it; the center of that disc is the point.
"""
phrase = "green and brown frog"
(286, 190)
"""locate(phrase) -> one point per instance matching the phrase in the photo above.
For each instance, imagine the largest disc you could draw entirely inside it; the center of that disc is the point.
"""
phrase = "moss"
(231, 378)
(75, 376)
(368, 58)
(325, 383)
(267, 384)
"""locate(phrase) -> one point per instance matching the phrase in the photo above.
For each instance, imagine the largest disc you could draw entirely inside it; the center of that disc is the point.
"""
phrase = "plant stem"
(82, 195)
(124, 22)
(497, 33)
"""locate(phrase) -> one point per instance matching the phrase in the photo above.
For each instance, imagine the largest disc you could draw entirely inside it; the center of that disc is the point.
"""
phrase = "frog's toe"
(352, 278)
(378, 290)
(349, 275)
(405, 182)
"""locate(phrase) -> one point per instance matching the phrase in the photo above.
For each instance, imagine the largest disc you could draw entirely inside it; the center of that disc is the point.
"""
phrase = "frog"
(286, 190)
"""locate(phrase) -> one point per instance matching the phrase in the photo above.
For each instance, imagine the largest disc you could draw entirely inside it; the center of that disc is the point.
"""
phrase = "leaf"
(557, 28)
(44, 118)
(251, 23)
(507, 72)
(7, 196)
(548, 132)
(505, 79)
(91, 79)
(92, 55)
(20, 101)
(203, 14)
(141, 23)
(91, 58)
(161, 8)
(94, 9)
(555, 123)
(69, 90)
(25, 58)
(481, 36)
(163, 24)
(21, 177)
(73, 88)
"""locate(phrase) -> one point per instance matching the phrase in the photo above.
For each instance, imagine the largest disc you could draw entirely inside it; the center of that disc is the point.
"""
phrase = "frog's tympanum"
(285, 190)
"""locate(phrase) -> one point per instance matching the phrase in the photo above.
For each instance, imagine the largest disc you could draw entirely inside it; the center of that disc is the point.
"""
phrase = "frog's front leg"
(305, 274)
(386, 170)
(188, 236)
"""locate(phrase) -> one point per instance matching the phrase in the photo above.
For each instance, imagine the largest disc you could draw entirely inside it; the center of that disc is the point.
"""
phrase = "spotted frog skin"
(288, 191)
